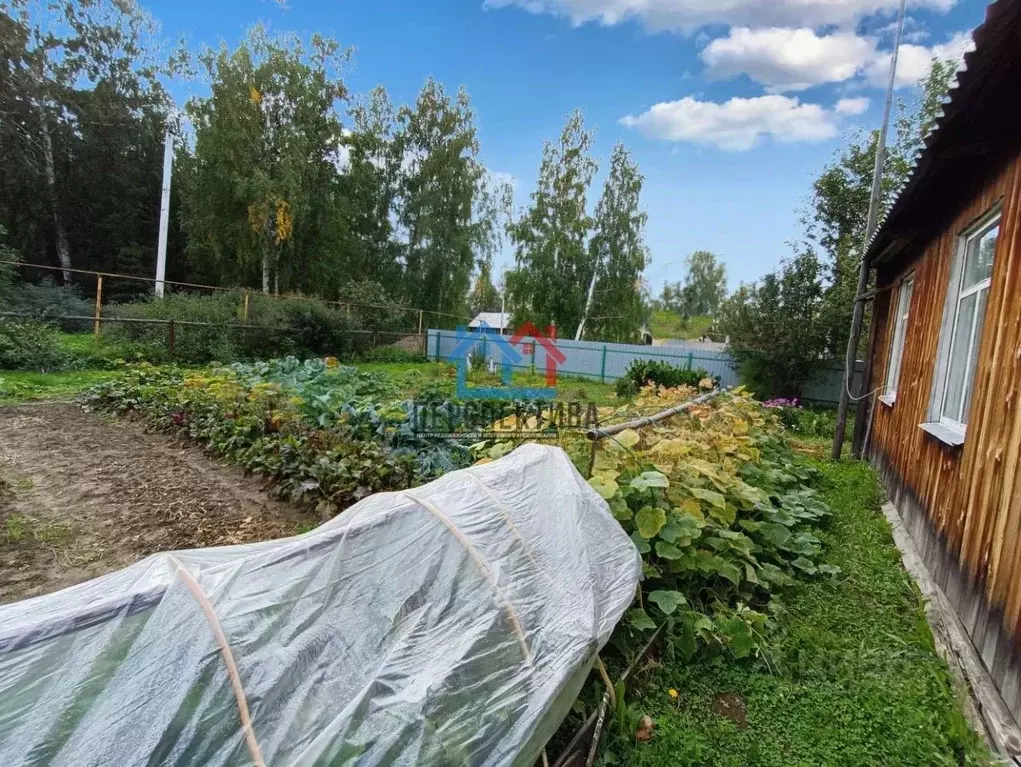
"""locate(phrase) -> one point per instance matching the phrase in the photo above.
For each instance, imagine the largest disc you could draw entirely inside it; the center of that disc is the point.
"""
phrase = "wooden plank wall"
(962, 505)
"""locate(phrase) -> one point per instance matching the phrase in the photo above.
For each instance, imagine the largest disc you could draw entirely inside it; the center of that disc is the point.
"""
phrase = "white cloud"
(785, 59)
(852, 107)
(499, 177)
(914, 61)
(687, 15)
(739, 124)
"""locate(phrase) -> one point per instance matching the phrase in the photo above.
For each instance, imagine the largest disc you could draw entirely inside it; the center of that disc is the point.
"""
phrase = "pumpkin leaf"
(668, 551)
(640, 620)
(650, 521)
(667, 601)
(709, 496)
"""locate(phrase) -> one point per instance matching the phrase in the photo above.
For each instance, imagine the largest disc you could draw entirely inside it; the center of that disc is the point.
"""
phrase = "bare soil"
(82, 494)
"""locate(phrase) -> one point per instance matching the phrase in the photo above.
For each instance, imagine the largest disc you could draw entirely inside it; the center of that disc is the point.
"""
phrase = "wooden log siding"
(962, 505)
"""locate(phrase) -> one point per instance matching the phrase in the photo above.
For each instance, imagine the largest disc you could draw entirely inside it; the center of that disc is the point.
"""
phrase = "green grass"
(25, 386)
(423, 373)
(854, 678)
(667, 324)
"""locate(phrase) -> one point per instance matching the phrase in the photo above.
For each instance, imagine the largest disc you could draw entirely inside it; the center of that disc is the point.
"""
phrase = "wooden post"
(99, 305)
(420, 318)
(247, 298)
(602, 371)
(864, 409)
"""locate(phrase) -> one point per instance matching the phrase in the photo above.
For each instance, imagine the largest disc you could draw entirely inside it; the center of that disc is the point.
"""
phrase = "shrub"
(317, 330)
(28, 345)
(193, 344)
(641, 373)
(44, 301)
(803, 421)
(282, 328)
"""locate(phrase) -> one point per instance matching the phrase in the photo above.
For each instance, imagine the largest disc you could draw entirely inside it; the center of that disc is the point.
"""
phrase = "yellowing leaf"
(606, 488)
(650, 521)
(628, 438)
(709, 496)
(692, 508)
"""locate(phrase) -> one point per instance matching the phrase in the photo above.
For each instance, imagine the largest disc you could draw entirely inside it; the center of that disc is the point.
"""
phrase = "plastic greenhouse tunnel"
(450, 624)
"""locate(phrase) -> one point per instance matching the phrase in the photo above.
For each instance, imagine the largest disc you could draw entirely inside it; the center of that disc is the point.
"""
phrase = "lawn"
(667, 324)
(851, 676)
(26, 386)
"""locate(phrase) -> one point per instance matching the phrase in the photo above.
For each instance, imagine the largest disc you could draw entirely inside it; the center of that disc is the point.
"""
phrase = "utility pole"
(863, 270)
(161, 249)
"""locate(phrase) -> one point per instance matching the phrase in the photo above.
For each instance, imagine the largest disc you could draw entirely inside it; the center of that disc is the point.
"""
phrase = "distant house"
(945, 353)
(492, 322)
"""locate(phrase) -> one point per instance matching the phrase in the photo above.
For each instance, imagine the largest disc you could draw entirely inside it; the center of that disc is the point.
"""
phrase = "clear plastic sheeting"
(451, 624)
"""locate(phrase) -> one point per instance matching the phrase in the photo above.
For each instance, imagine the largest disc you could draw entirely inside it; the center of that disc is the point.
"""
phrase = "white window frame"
(947, 429)
(893, 365)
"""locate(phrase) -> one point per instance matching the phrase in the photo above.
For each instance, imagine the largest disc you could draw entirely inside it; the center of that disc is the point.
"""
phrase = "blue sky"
(731, 107)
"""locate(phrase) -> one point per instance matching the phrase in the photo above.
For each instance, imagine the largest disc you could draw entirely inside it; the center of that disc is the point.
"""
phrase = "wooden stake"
(99, 305)
(420, 317)
(247, 298)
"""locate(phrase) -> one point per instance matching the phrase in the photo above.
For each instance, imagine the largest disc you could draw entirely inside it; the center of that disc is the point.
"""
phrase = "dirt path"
(82, 494)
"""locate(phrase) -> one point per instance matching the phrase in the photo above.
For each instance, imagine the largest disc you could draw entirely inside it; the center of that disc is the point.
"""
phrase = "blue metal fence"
(607, 362)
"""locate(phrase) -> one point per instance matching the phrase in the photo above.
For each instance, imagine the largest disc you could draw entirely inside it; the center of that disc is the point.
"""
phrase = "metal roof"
(495, 320)
(971, 116)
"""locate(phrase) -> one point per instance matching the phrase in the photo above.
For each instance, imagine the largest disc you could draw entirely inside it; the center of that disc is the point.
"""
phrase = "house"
(945, 350)
(492, 322)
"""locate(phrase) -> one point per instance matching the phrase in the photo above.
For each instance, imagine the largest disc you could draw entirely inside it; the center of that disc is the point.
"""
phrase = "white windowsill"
(888, 399)
(945, 434)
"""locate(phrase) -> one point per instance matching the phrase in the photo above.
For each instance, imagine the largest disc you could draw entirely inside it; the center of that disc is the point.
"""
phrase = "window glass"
(964, 320)
(959, 358)
(973, 362)
(899, 334)
(979, 264)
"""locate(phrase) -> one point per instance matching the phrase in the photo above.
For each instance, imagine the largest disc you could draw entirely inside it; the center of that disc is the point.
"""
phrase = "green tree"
(369, 189)
(261, 196)
(838, 209)
(553, 263)
(618, 254)
(81, 135)
(444, 208)
(777, 328)
(705, 285)
(484, 296)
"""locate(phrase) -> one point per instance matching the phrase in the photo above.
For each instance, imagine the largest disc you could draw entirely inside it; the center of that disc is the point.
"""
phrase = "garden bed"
(82, 495)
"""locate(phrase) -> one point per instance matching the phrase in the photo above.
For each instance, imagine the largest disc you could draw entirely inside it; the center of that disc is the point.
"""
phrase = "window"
(962, 326)
(907, 286)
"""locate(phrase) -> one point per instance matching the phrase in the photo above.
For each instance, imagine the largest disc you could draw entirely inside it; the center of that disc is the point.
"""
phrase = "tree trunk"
(63, 249)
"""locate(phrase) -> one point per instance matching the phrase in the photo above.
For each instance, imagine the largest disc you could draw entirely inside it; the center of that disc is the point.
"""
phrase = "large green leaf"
(709, 496)
(667, 601)
(668, 551)
(649, 479)
(640, 543)
(640, 620)
(650, 521)
(607, 488)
